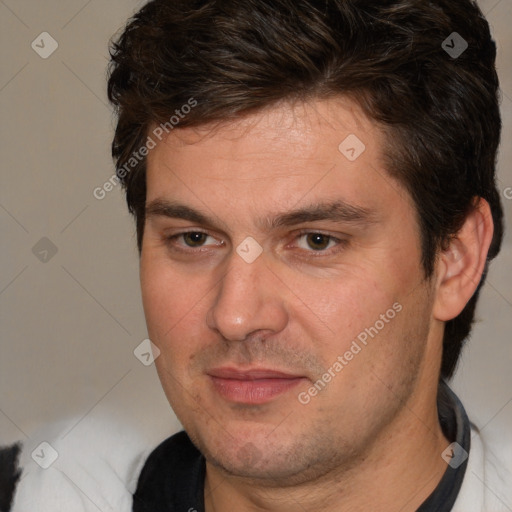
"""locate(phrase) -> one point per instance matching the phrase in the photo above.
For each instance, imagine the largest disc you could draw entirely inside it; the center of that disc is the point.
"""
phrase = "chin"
(282, 461)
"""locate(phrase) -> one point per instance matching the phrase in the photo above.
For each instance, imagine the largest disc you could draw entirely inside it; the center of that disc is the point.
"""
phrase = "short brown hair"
(233, 57)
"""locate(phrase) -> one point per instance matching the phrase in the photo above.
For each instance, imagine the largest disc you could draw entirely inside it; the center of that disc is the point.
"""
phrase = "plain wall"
(70, 325)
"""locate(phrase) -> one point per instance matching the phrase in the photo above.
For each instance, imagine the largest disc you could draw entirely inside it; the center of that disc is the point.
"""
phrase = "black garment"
(9, 475)
(172, 479)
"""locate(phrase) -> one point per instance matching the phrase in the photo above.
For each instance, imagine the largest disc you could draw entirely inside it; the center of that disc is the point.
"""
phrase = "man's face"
(245, 336)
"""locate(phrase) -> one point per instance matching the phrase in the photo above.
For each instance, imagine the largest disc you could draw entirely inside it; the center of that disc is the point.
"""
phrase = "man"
(313, 184)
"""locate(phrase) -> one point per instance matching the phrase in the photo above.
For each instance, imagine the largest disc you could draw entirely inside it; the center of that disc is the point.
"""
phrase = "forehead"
(298, 130)
(284, 155)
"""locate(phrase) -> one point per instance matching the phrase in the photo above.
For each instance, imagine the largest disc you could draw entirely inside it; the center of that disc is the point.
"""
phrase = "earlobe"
(461, 264)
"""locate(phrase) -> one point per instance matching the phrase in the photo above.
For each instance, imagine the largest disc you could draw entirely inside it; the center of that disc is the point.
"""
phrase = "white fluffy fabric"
(96, 470)
(487, 485)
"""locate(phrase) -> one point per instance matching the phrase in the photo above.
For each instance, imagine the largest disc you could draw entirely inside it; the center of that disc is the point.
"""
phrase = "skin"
(370, 439)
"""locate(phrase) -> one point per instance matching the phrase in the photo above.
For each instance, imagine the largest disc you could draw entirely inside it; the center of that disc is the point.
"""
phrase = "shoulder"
(81, 465)
(487, 482)
(497, 469)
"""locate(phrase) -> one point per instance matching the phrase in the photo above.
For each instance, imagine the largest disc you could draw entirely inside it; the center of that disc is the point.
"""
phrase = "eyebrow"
(335, 211)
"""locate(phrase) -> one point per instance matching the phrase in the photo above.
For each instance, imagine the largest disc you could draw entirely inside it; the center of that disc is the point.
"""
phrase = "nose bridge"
(246, 301)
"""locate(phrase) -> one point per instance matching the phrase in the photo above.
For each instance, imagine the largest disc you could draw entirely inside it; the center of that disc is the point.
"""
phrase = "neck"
(397, 472)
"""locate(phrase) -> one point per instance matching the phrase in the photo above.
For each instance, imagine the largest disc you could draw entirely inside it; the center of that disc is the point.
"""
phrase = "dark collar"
(457, 429)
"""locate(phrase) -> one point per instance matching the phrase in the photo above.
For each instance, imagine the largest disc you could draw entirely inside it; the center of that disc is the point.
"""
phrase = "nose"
(250, 300)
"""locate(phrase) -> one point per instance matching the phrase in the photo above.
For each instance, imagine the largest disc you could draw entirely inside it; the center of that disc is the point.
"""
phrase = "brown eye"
(318, 241)
(194, 239)
(189, 241)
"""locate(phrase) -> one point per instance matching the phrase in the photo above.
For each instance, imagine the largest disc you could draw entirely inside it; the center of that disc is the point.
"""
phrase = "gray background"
(70, 325)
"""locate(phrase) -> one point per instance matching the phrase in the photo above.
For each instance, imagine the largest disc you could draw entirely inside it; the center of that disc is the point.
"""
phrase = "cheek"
(341, 308)
(360, 317)
(158, 296)
(172, 302)
(175, 323)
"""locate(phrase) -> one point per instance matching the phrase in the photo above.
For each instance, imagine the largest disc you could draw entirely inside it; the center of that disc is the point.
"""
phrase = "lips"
(253, 386)
(254, 374)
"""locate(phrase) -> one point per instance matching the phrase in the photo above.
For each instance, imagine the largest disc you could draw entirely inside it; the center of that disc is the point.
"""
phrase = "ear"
(461, 264)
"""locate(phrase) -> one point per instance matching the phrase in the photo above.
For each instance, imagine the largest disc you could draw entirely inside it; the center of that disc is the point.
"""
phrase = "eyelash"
(340, 243)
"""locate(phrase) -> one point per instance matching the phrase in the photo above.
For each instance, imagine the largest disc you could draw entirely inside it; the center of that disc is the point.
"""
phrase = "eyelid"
(340, 242)
(171, 238)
